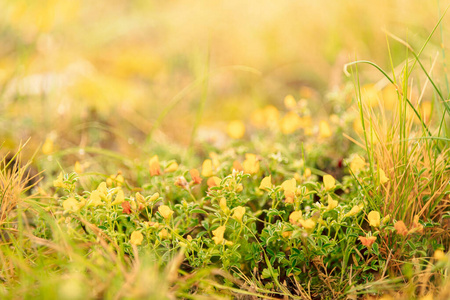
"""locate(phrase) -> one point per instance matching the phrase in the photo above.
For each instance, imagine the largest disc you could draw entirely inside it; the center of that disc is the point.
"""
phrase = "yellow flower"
(295, 216)
(357, 164)
(154, 166)
(165, 211)
(223, 205)
(324, 129)
(374, 218)
(136, 238)
(215, 160)
(440, 256)
(213, 181)
(218, 234)
(290, 123)
(390, 97)
(77, 167)
(308, 224)
(154, 197)
(47, 148)
(71, 205)
(289, 187)
(239, 213)
(251, 164)
(426, 110)
(383, 178)
(172, 167)
(266, 183)
(181, 182)
(207, 168)
(329, 182)
(163, 234)
(307, 173)
(289, 102)
(370, 95)
(354, 211)
(95, 199)
(400, 227)
(367, 241)
(331, 203)
(236, 129)
(416, 226)
(237, 166)
(102, 189)
(285, 233)
(120, 198)
(59, 182)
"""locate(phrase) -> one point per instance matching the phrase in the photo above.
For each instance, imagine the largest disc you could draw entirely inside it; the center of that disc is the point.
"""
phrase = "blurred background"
(128, 75)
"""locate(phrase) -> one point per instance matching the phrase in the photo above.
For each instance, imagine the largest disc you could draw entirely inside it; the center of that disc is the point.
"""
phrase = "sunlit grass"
(224, 150)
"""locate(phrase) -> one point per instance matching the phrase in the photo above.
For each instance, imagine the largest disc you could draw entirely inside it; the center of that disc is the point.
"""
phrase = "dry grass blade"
(15, 181)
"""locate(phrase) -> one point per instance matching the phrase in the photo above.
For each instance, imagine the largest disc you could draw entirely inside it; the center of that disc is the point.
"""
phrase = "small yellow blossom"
(95, 199)
(154, 166)
(182, 182)
(207, 170)
(71, 205)
(47, 148)
(324, 130)
(165, 211)
(215, 160)
(77, 167)
(163, 234)
(290, 123)
(236, 129)
(370, 94)
(266, 183)
(400, 227)
(154, 197)
(295, 216)
(239, 213)
(367, 241)
(307, 173)
(329, 182)
(308, 224)
(357, 164)
(172, 167)
(354, 211)
(102, 189)
(237, 166)
(426, 109)
(251, 164)
(195, 175)
(289, 102)
(120, 198)
(213, 181)
(331, 203)
(59, 182)
(289, 187)
(223, 205)
(374, 218)
(390, 97)
(440, 256)
(286, 233)
(416, 226)
(119, 179)
(218, 234)
(136, 238)
(139, 198)
(383, 178)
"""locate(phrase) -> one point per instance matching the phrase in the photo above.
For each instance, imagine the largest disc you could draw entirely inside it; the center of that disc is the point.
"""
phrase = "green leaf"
(198, 211)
